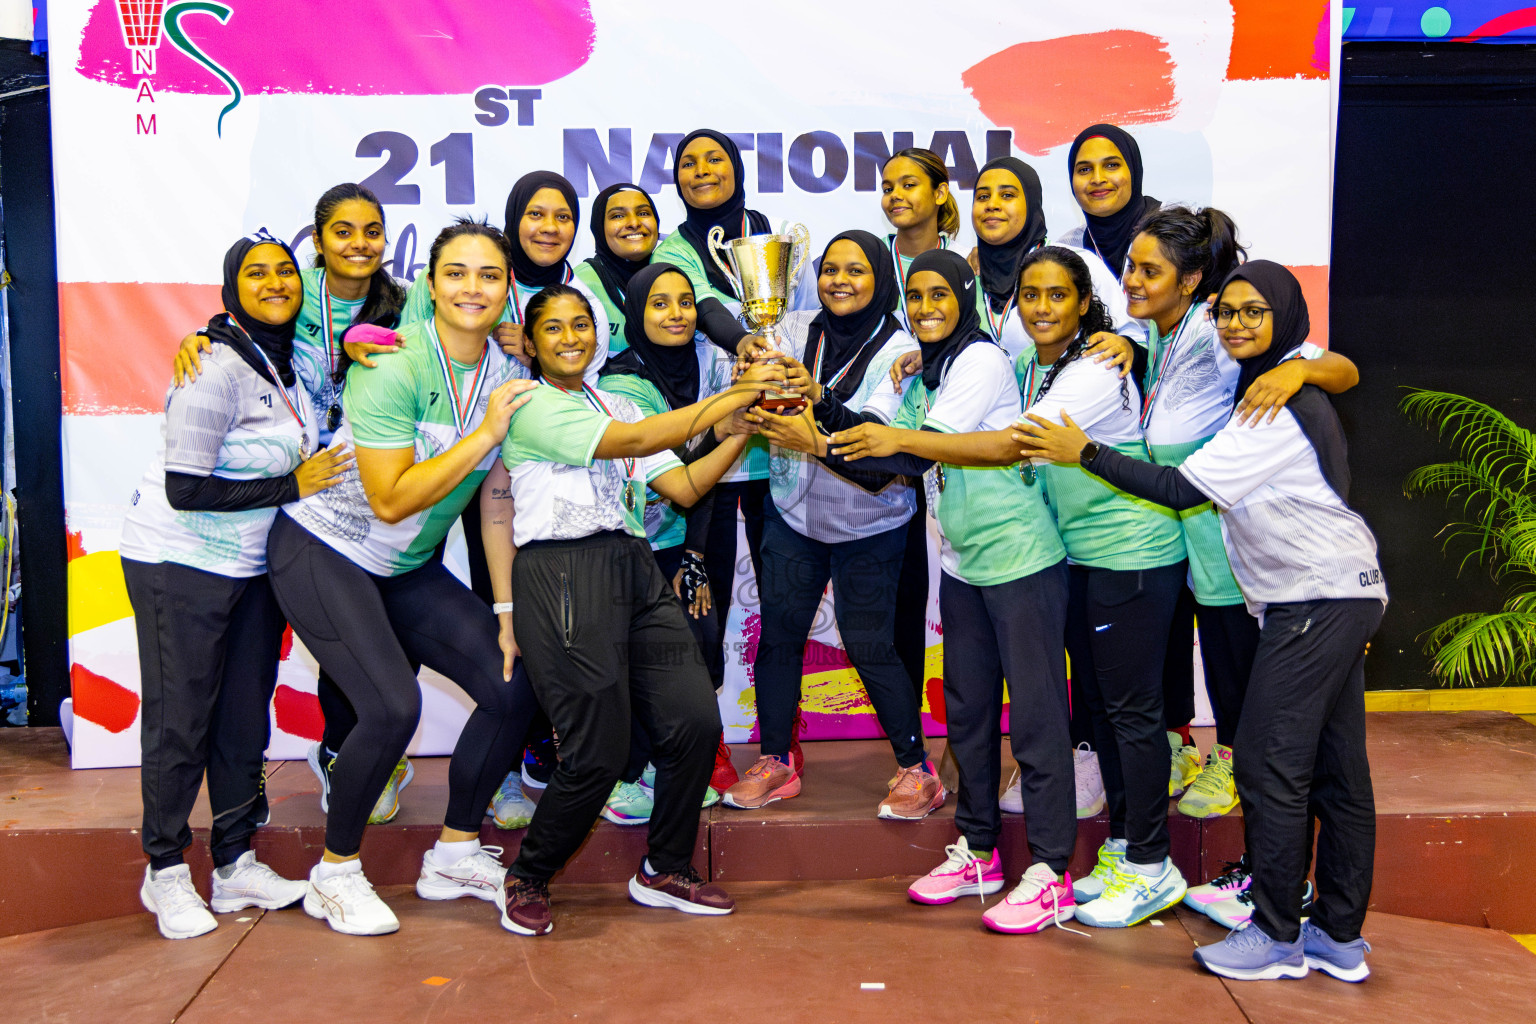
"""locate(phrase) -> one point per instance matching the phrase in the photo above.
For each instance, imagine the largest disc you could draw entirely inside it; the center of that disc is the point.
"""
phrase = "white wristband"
(501, 606)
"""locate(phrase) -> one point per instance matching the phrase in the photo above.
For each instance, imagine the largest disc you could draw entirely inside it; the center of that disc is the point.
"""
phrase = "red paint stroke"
(1047, 91)
(1278, 39)
(820, 657)
(287, 648)
(125, 370)
(933, 689)
(357, 47)
(76, 544)
(298, 713)
(98, 699)
(1503, 25)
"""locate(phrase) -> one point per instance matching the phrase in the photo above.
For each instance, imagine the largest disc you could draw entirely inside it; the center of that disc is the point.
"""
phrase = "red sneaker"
(725, 775)
(794, 743)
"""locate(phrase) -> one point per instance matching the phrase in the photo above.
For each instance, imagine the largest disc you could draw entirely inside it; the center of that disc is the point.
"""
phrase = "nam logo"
(143, 22)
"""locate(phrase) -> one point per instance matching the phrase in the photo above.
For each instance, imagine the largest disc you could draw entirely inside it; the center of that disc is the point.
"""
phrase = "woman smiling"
(624, 233)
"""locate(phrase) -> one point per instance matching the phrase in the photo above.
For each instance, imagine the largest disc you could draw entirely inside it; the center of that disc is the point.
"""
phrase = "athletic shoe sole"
(529, 782)
(230, 905)
(149, 905)
(987, 888)
(1215, 811)
(1038, 924)
(511, 823)
(619, 818)
(1353, 975)
(517, 929)
(314, 908)
(313, 757)
(1090, 810)
(454, 892)
(890, 815)
(784, 792)
(1146, 912)
(652, 898)
(1202, 900)
(1269, 972)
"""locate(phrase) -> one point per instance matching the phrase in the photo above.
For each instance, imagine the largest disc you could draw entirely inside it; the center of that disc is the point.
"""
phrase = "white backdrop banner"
(179, 126)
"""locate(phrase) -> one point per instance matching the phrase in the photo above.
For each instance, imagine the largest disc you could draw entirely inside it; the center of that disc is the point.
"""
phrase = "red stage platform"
(1455, 792)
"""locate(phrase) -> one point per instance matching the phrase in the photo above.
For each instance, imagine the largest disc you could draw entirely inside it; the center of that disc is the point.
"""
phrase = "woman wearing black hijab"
(1008, 213)
(710, 179)
(665, 364)
(624, 234)
(1307, 566)
(824, 526)
(237, 443)
(1104, 166)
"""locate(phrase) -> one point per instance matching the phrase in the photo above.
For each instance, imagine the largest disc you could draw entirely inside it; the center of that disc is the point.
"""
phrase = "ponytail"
(949, 217)
(1204, 243)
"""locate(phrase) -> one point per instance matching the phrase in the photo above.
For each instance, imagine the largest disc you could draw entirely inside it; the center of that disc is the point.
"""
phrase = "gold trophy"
(764, 269)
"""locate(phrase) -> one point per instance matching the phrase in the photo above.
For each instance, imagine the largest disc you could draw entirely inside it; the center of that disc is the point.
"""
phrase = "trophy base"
(781, 404)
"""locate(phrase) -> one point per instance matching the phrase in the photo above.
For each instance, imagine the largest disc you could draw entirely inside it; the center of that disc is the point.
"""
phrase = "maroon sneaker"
(794, 742)
(724, 775)
(526, 911)
(683, 890)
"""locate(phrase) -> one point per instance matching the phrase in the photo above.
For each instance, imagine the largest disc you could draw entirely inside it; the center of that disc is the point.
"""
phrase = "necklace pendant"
(304, 445)
(629, 497)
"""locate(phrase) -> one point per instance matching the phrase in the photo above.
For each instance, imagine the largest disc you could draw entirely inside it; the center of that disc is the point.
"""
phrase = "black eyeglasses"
(1249, 316)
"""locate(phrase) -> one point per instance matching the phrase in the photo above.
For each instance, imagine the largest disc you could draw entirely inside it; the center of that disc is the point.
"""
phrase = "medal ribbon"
(1161, 370)
(282, 392)
(821, 350)
(513, 306)
(586, 389)
(462, 410)
(996, 323)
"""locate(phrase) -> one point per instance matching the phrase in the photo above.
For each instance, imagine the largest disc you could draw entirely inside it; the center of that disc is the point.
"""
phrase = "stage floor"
(1456, 803)
(794, 951)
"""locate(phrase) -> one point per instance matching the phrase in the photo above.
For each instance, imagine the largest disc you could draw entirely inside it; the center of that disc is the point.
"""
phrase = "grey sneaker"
(1251, 955)
(1343, 960)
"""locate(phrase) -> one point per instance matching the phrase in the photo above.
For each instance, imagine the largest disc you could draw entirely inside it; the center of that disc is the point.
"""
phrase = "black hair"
(1203, 242)
(1095, 321)
(937, 174)
(535, 309)
(385, 297)
(461, 227)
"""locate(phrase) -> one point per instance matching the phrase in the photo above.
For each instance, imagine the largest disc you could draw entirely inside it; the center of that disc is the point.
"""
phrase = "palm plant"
(1493, 482)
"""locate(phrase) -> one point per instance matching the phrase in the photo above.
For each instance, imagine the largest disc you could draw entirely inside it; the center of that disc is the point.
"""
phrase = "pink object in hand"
(371, 334)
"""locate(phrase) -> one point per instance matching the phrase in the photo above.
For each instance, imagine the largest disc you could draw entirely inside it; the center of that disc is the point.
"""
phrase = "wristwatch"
(1088, 454)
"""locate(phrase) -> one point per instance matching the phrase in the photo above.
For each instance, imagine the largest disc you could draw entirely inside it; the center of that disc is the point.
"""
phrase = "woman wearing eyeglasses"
(1188, 394)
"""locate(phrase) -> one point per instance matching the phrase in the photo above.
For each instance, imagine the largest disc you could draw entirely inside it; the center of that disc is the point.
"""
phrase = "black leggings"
(365, 631)
(911, 615)
(1117, 635)
(208, 650)
(1179, 664)
(1229, 640)
(720, 556)
(604, 640)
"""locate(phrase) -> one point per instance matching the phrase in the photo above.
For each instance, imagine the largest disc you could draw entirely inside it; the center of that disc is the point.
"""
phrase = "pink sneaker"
(961, 874)
(1037, 901)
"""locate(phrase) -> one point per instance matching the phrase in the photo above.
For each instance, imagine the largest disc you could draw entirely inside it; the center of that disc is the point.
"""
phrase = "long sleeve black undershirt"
(1164, 485)
(188, 493)
(870, 474)
(718, 325)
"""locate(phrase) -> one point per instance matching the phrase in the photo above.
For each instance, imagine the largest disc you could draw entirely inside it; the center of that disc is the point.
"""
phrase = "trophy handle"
(802, 239)
(716, 245)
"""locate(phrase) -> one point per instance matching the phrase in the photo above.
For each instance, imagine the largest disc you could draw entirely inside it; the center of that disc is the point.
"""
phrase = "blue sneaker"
(1251, 955)
(510, 806)
(1343, 960)
(1132, 897)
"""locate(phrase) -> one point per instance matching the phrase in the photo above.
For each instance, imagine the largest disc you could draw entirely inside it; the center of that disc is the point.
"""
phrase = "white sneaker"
(348, 903)
(322, 769)
(480, 875)
(1012, 800)
(510, 807)
(1132, 897)
(1089, 781)
(171, 897)
(253, 884)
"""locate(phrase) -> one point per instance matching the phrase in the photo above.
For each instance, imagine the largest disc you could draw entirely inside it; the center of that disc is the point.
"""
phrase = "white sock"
(448, 853)
(331, 869)
(1150, 870)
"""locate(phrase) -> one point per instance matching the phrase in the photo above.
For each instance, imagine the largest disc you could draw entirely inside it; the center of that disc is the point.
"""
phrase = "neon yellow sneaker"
(388, 804)
(1213, 793)
(1185, 765)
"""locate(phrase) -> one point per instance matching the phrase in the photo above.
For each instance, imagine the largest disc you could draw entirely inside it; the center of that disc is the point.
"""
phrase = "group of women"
(1115, 437)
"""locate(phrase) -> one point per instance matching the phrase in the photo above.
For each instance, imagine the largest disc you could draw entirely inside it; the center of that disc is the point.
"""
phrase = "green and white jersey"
(665, 526)
(229, 422)
(586, 274)
(419, 306)
(317, 344)
(406, 401)
(993, 527)
(560, 489)
(1101, 526)
(813, 500)
(678, 251)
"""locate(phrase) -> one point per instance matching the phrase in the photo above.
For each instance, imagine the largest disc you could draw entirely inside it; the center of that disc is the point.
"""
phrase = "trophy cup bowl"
(763, 269)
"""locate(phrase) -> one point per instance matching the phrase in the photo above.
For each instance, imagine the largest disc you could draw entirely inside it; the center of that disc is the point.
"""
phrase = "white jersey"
(229, 422)
(818, 503)
(1288, 536)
